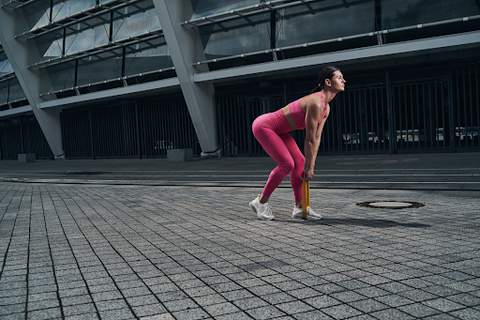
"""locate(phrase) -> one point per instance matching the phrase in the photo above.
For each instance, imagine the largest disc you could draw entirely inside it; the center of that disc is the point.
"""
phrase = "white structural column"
(185, 47)
(19, 52)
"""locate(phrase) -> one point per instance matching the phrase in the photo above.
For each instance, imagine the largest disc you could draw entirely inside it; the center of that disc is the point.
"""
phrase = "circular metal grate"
(390, 204)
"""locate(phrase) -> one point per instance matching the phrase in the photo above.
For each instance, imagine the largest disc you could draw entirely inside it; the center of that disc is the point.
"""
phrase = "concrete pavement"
(148, 239)
(446, 171)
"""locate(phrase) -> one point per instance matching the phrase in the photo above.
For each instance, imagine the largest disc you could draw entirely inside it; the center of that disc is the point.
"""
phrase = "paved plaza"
(103, 249)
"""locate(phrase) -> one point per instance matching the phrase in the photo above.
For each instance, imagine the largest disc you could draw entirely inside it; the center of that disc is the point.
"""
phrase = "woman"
(272, 131)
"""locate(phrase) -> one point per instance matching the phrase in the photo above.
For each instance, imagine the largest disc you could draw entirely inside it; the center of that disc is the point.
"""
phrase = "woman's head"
(325, 77)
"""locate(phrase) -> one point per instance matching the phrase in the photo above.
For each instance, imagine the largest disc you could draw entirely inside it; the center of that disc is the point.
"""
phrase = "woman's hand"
(308, 174)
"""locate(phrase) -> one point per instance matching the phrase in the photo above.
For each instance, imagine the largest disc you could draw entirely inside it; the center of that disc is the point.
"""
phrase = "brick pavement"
(160, 252)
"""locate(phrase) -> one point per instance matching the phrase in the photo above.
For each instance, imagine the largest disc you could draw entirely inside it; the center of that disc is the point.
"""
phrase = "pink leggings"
(271, 130)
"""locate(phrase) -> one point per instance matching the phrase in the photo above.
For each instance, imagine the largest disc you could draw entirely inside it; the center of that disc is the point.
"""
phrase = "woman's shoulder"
(316, 99)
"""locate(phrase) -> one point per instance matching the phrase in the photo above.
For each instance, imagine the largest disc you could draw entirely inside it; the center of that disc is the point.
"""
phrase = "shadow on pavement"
(372, 223)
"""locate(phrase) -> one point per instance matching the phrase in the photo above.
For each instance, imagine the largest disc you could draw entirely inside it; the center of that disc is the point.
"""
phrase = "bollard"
(26, 157)
(179, 155)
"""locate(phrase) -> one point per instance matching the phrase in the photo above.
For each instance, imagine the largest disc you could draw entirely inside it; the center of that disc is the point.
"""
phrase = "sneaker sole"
(308, 217)
(265, 218)
(259, 217)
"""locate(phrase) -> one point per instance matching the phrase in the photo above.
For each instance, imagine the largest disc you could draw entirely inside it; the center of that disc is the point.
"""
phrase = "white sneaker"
(264, 212)
(311, 215)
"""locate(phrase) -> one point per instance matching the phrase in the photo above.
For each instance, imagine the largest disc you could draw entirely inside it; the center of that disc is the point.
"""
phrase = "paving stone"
(267, 312)
(79, 309)
(250, 303)
(465, 299)
(191, 314)
(329, 288)
(221, 309)
(149, 310)
(363, 317)
(164, 316)
(315, 314)
(108, 295)
(467, 314)
(12, 300)
(234, 316)
(64, 293)
(14, 292)
(341, 311)
(12, 309)
(347, 296)
(42, 296)
(294, 307)
(44, 314)
(443, 304)
(391, 314)
(42, 304)
(116, 314)
(180, 305)
(70, 301)
(368, 306)
(15, 316)
(442, 317)
(322, 302)
(86, 316)
(277, 298)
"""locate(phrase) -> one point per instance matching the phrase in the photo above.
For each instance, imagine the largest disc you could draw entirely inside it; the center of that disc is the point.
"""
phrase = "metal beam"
(31, 81)
(15, 111)
(185, 48)
(380, 52)
(130, 91)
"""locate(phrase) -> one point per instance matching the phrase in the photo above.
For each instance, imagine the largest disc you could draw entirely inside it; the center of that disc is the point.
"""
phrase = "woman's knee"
(299, 163)
(287, 166)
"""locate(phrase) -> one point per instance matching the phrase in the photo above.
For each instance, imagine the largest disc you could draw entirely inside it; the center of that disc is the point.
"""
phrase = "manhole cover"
(390, 204)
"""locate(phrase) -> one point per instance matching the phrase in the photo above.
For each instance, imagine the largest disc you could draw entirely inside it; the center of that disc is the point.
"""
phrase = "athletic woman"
(272, 131)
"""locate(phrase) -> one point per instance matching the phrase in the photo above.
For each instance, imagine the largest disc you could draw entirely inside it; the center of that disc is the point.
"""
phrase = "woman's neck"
(329, 95)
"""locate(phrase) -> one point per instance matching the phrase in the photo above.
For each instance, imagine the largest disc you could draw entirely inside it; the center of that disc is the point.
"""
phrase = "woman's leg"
(275, 147)
(298, 168)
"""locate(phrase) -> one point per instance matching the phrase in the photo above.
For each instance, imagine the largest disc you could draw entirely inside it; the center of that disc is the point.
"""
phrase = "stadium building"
(134, 78)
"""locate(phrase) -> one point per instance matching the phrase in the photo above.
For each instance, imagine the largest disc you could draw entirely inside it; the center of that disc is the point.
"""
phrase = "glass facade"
(89, 42)
(5, 66)
(403, 13)
(236, 36)
(203, 8)
(323, 20)
(4, 92)
(134, 24)
(11, 93)
(246, 28)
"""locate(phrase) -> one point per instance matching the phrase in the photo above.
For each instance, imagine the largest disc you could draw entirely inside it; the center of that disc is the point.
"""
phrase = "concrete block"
(26, 157)
(179, 155)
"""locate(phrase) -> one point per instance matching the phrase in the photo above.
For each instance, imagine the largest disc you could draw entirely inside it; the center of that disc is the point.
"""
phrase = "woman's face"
(337, 82)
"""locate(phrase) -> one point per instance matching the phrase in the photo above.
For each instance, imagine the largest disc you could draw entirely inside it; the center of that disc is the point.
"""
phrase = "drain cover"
(390, 204)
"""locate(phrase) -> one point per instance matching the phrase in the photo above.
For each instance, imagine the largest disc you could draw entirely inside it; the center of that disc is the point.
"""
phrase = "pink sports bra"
(298, 114)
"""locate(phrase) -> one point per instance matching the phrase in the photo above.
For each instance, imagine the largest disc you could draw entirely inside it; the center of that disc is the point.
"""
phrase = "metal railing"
(23, 135)
(144, 128)
(424, 115)
(466, 105)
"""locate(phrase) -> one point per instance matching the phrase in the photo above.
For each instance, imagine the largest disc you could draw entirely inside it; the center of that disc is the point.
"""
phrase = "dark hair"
(325, 73)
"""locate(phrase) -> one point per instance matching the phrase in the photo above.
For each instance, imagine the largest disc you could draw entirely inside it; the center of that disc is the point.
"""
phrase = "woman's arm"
(313, 133)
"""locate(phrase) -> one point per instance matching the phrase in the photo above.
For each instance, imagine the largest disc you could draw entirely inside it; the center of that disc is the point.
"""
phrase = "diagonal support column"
(18, 53)
(185, 46)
